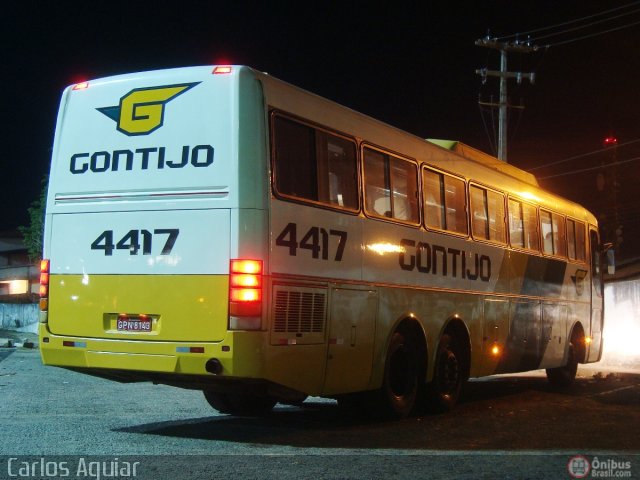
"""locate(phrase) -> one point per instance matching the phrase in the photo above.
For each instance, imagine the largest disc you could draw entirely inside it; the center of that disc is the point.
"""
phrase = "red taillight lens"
(44, 284)
(44, 272)
(246, 280)
(246, 266)
(245, 288)
(81, 86)
(245, 295)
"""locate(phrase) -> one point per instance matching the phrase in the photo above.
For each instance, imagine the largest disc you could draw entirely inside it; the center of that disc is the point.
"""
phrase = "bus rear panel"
(146, 210)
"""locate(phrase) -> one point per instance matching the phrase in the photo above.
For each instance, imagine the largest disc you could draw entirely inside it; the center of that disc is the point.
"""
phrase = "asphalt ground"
(511, 426)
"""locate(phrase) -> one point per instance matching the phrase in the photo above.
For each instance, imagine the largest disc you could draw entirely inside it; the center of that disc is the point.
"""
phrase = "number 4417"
(135, 240)
(315, 240)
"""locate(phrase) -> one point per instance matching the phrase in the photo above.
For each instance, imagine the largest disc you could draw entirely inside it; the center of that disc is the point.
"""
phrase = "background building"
(19, 284)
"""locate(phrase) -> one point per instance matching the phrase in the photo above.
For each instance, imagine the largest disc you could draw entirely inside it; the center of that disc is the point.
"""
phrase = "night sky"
(412, 67)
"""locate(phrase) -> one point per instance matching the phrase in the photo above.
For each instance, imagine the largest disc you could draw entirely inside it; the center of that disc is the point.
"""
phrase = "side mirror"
(611, 262)
(607, 249)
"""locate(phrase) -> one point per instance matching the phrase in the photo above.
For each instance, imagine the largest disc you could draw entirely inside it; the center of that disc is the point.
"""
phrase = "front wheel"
(397, 396)
(242, 403)
(563, 377)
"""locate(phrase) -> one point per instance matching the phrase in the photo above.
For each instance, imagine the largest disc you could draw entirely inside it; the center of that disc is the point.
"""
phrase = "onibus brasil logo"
(141, 111)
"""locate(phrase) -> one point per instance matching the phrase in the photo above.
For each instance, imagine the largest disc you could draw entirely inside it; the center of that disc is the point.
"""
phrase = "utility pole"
(504, 75)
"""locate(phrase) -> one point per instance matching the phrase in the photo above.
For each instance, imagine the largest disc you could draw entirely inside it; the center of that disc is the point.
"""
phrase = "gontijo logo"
(141, 111)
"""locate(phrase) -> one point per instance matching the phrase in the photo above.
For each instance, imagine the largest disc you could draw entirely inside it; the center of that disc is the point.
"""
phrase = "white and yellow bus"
(217, 229)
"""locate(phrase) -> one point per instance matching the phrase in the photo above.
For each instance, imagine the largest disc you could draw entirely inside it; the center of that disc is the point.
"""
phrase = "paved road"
(505, 427)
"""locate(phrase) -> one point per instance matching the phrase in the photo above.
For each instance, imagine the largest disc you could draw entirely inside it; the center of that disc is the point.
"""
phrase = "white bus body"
(160, 180)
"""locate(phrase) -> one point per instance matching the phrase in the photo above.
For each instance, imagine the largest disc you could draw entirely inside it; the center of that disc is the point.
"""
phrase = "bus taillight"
(245, 294)
(44, 285)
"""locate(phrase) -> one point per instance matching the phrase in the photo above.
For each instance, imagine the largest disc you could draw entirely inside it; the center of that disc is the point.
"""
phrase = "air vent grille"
(298, 311)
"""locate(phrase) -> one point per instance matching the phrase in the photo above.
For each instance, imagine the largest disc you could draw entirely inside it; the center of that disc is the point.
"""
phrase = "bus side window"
(546, 232)
(497, 231)
(295, 163)
(576, 240)
(523, 225)
(580, 242)
(479, 222)
(571, 239)
(434, 209)
(311, 164)
(444, 202)
(404, 181)
(554, 237)
(456, 205)
(378, 201)
(391, 186)
(560, 236)
(516, 224)
(338, 179)
(530, 222)
(487, 214)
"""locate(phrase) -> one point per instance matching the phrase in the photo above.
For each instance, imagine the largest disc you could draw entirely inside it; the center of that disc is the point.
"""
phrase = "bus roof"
(485, 159)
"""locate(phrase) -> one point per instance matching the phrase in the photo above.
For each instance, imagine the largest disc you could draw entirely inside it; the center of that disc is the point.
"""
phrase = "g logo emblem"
(141, 111)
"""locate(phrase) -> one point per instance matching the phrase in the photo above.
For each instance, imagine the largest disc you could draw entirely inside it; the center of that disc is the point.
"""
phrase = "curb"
(10, 343)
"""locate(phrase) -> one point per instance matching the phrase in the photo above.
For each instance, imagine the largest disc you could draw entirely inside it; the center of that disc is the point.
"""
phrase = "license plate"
(133, 324)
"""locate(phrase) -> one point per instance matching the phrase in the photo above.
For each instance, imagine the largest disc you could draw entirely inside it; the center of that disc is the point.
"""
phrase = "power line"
(573, 29)
(592, 35)
(599, 167)
(486, 129)
(581, 155)
(569, 22)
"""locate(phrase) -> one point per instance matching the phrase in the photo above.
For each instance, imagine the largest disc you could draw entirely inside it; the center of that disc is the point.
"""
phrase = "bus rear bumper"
(177, 358)
(169, 363)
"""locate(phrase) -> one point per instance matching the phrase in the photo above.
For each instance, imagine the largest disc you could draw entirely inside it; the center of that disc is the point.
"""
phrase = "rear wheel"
(242, 403)
(444, 390)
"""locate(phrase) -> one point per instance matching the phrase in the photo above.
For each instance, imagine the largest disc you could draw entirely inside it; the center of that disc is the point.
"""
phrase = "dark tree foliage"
(34, 232)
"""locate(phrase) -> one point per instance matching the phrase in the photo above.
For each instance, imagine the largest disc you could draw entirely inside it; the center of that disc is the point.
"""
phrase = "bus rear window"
(315, 165)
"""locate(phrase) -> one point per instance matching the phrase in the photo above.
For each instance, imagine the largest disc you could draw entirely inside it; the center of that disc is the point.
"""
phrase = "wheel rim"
(400, 373)
(449, 372)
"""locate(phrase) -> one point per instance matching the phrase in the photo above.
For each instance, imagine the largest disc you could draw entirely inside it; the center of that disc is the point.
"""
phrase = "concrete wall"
(622, 323)
(19, 316)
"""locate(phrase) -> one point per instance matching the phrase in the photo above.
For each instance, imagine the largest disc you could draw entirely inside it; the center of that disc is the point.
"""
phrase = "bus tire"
(563, 377)
(241, 403)
(397, 396)
(448, 376)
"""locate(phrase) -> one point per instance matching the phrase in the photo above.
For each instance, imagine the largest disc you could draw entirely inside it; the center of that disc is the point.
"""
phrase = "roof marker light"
(220, 70)
(81, 86)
